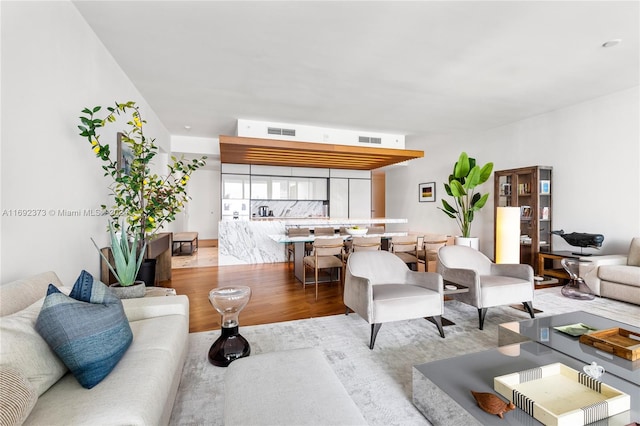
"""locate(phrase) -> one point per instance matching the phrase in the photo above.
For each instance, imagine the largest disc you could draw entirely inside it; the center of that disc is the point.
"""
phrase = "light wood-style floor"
(276, 294)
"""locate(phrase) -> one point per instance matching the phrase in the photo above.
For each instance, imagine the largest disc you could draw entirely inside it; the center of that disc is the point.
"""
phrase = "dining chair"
(428, 253)
(405, 247)
(324, 232)
(328, 252)
(295, 232)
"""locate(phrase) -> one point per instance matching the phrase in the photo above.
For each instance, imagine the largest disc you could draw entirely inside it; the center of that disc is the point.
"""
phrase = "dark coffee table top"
(456, 377)
(442, 388)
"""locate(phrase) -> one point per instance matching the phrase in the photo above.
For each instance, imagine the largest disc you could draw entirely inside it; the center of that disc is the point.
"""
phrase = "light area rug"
(379, 380)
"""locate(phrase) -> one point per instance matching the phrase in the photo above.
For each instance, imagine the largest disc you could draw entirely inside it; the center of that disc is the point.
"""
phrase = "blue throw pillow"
(88, 329)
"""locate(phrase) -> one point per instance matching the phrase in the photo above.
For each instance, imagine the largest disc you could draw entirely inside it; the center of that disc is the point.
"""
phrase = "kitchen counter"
(243, 242)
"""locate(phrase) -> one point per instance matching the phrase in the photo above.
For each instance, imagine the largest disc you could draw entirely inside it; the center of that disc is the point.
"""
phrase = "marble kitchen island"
(245, 242)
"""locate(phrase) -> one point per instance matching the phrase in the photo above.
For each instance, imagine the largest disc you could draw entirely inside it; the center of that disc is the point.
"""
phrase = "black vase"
(147, 272)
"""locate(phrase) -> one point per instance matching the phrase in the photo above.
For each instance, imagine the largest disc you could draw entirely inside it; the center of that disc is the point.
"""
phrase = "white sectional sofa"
(615, 276)
(142, 387)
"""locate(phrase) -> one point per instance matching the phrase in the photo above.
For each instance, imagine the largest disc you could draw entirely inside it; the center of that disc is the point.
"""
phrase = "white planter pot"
(473, 242)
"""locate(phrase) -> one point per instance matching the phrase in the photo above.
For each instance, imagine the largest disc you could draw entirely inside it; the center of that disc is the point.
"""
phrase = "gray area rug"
(379, 381)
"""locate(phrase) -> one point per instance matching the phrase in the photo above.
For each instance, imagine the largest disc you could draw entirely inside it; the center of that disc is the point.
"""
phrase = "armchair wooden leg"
(437, 319)
(529, 308)
(346, 312)
(374, 332)
(482, 312)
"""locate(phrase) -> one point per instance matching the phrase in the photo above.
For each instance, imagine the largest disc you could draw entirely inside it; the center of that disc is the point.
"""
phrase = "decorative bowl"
(357, 231)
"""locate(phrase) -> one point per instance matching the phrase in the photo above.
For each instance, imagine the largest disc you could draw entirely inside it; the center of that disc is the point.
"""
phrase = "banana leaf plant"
(466, 176)
(126, 256)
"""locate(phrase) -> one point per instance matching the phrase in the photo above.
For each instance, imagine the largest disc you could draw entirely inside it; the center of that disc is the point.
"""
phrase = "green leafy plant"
(126, 256)
(462, 183)
(145, 201)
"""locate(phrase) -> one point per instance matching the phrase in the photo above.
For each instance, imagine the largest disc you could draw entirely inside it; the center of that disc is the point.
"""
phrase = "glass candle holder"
(229, 301)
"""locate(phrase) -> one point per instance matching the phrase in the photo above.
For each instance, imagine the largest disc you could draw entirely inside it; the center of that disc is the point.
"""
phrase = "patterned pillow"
(17, 397)
(88, 329)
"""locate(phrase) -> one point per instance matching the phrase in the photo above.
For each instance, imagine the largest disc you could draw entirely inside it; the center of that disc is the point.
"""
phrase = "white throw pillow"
(26, 351)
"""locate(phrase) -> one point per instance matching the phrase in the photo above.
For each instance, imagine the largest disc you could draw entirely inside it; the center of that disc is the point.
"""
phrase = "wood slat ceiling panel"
(273, 152)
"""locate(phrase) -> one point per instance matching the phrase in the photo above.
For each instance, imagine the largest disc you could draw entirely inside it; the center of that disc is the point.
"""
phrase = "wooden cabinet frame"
(530, 189)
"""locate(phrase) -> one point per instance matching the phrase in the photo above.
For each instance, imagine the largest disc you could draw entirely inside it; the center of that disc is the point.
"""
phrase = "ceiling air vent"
(367, 139)
(279, 131)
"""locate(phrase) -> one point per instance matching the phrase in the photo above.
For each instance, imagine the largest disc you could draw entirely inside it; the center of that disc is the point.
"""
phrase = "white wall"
(593, 147)
(203, 211)
(53, 66)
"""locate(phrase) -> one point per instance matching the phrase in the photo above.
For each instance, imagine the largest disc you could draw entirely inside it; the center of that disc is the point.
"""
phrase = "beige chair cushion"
(324, 231)
(366, 243)
(17, 397)
(633, 259)
(298, 232)
(323, 262)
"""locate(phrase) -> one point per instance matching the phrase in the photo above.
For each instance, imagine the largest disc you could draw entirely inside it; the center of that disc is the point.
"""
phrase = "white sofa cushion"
(623, 274)
(25, 350)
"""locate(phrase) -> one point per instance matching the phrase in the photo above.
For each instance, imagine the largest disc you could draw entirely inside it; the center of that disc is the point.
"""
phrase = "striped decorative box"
(557, 395)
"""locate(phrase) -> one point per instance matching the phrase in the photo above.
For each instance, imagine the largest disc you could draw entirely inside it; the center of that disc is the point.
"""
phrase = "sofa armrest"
(588, 269)
(151, 307)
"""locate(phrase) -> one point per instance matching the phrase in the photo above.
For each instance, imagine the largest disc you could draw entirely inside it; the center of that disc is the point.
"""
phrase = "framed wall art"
(125, 156)
(427, 192)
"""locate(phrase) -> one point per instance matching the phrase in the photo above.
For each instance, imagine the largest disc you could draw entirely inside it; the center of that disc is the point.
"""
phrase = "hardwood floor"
(276, 294)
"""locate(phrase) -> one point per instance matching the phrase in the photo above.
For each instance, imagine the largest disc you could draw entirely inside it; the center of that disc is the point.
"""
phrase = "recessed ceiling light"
(187, 127)
(612, 43)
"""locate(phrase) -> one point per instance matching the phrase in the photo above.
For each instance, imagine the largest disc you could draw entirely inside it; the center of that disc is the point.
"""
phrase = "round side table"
(576, 288)
(229, 301)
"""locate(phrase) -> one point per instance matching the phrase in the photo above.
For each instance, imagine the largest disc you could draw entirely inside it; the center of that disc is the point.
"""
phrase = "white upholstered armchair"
(380, 288)
(490, 284)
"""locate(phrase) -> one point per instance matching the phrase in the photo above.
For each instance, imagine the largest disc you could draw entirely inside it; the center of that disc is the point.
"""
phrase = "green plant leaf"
(448, 208)
(457, 190)
(485, 172)
(461, 168)
(480, 204)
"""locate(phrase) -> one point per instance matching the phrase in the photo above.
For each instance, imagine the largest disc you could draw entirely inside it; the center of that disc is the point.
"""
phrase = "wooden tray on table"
(618, 341)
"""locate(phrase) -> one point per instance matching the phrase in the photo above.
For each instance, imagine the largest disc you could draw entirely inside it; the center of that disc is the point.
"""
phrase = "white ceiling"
(413, 68)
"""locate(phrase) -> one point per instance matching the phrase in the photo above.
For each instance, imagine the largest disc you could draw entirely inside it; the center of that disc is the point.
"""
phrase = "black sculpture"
(581, 239)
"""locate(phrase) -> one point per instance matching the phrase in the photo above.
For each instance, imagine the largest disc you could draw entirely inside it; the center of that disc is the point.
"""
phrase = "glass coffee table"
(442, 389)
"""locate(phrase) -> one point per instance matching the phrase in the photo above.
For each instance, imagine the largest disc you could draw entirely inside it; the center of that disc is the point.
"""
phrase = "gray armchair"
(380, 288)
(490, 284)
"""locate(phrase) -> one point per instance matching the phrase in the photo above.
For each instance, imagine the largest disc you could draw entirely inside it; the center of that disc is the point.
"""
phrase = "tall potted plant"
(466, 176)
(143, 200)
